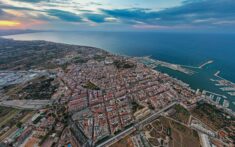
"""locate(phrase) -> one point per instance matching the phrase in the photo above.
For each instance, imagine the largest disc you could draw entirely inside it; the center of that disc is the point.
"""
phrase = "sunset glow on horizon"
(174, 15)
(9, 23)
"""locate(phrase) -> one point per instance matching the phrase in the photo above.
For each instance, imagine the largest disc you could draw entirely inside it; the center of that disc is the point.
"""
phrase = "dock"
(206, 63)
(200, 66)
(216, 94)
(225, 85)
(152, 63)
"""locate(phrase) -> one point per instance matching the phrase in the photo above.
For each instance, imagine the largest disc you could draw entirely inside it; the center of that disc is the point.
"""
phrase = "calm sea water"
(181, 48)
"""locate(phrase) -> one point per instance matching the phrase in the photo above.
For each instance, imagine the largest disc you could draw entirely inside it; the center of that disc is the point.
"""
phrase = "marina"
(225, 104)
(218, 98)
(232, 93)
(228, 88)
(225, 85)
(178, 51)
(213, 94)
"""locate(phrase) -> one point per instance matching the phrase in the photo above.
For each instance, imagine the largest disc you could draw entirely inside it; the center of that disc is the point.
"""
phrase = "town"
(101, 99)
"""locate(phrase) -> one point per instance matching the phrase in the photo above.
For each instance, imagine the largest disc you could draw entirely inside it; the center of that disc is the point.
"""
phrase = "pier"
(216, 94)
(225, 85)
(152, 63)
(204, 64)
(178, 67)
(200, 66)
(217, 73)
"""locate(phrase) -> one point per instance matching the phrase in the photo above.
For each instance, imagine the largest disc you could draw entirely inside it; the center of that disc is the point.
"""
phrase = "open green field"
(90, 85)
(125, 142)
(212, 117)
(179, 135)
(181, 114)
(9, 117)
(7, 114)
(38, 88)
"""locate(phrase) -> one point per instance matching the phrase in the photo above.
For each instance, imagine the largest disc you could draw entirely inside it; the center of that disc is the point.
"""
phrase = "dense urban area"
(57, 95)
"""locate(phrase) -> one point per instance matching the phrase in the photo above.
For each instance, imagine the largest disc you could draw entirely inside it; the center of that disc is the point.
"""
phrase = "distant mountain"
(13, 32)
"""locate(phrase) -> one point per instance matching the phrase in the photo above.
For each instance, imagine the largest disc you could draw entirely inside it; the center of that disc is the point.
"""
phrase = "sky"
(119, 15)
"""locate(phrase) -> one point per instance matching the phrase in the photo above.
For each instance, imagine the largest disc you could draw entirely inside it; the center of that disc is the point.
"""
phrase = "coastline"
(162, 90)
(117, 43)
(173, 66)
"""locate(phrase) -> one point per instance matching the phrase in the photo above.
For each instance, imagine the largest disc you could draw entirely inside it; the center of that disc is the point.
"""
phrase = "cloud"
(64, 15)
(136, 13)
(201, 9)
(97, 18)
(111, 19)
(189, 13)
(14, 13)
(3, 15)
(1, 12)
(95, 3)
(7, 6)
(208, 11)
(32, 1)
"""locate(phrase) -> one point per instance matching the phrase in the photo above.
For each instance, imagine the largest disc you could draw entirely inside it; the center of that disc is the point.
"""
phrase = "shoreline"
(166, 92)
(172, 65)
(103, 48)
(152, 63)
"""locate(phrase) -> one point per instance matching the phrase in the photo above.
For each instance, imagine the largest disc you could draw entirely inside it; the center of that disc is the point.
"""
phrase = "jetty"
(228, 89)
(226, 104)
(216, 94)
(217, 73)
(232, 93)
(225, 85)
(206, 63)
(152, 63)
(200, 66)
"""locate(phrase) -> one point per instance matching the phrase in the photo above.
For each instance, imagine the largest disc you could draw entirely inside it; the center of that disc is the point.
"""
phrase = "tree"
(19, 125)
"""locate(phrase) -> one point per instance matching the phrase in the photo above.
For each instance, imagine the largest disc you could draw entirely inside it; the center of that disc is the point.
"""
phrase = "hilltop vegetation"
(212, 116)
(39, 88)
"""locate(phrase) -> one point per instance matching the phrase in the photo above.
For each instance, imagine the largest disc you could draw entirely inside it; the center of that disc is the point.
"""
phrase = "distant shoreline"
(119, 45)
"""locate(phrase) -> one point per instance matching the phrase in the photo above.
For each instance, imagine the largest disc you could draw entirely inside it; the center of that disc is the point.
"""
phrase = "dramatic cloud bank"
(126, 15)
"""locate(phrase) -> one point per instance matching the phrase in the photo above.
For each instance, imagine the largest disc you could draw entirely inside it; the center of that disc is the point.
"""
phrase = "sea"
(192, 49)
